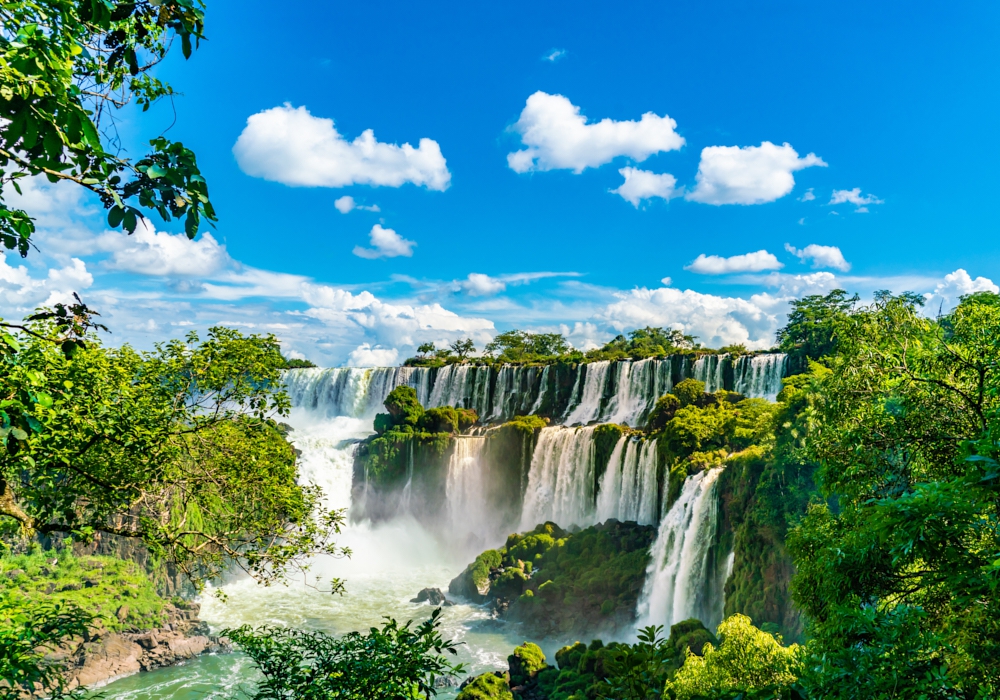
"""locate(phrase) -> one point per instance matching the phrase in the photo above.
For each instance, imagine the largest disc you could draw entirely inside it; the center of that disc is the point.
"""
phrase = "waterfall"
(561, 479)
(636, 391)
(677, 583)
(708, 369)
(760, 376)
(628, 488)
(594, 380)
(543, 388)
(344, 391)
(465, 490)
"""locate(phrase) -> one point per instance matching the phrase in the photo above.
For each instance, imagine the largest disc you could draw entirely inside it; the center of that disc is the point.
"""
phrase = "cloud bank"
(748, 262)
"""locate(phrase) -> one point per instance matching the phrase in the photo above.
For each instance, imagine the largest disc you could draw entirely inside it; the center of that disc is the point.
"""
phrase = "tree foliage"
(521, 346)
(176, 448)
(394, 662)
(26, 634)
(66, 68)
(901, 578)
(811, 330)
(748, 662)
(649, 342)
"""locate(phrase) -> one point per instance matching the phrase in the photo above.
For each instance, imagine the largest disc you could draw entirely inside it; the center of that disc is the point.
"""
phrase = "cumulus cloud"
(289, 145)
(554, 55)
(347, 204)
(151, 252)
(808, 196)
(748, 175)
(854, 197)
(367, 356)
(748, 262)
(20, 291)
(558, 137)
(643, 184)
(821, 256)
(956, 284)
(478, 284)
(386, 243)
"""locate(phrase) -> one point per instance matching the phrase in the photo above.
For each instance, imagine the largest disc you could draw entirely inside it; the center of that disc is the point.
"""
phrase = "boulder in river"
(434, 596)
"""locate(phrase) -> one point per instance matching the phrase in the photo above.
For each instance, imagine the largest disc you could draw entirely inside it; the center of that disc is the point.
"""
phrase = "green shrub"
(525, 663)
(689, 391)
(403, 406)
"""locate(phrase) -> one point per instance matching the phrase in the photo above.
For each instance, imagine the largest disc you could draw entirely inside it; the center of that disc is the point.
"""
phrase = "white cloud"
(289, 145)
(20, 291)
(557, 137)
(821, 256)
(347, 204)
(854, 197)
(748, 262)
(386, 244)
(478, 284)
(748, 175)
(367, 356)
(643, 184)
(715, 320)
(808, 196)
(956, 284)
(149, 252)
(554, 55)
(802, 221)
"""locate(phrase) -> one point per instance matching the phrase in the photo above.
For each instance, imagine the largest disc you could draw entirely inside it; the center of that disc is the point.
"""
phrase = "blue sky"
(889, 172)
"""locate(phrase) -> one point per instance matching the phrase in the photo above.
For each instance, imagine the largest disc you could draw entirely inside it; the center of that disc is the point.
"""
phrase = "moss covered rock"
(489, 686)
(525, 664)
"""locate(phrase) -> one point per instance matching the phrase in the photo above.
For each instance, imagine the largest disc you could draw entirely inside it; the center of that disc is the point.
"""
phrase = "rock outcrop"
(434, 596)
(104, 656)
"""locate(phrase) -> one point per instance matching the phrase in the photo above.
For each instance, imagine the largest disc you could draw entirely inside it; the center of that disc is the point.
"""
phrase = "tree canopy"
(176, 448)
(66, 69)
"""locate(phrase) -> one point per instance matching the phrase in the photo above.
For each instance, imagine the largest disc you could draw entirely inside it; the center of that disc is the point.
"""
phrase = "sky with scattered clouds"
(390, 173)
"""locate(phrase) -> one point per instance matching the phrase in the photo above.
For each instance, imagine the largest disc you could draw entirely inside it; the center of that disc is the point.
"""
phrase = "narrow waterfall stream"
(677, 583)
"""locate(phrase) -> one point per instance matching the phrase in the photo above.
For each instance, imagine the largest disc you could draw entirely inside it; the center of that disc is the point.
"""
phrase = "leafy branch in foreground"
(394, 662)
(26, 634)
(66, 68)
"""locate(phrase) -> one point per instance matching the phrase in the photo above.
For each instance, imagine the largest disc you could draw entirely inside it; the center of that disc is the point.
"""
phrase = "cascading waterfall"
(677, 583)
(465, 490)
(628, 488)
(639, 384)
(588, 409)
(760, 375)
(561, 479)
(709, 369)
(357, 392)
(543, 388)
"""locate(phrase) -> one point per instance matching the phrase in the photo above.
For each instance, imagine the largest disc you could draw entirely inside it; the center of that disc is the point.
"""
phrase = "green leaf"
(115, 216)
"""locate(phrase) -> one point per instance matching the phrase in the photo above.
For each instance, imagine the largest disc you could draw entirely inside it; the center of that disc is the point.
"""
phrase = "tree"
(426, 348)
(176, 449)
(396, 662)
(66, 68)
(521, 346)
(463, 348)
(811, 330)
(900, 576)
(747, 662)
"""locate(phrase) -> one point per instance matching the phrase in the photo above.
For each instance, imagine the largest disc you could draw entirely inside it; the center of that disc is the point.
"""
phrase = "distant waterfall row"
(618, 392)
